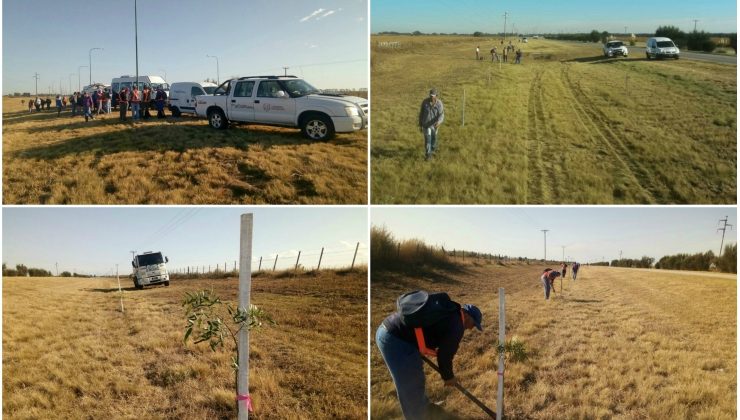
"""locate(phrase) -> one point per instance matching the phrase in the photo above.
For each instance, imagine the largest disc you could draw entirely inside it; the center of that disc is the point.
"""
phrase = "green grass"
(566, 126)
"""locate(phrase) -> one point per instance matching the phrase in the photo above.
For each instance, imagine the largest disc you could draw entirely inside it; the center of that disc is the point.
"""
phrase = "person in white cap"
(432, 114)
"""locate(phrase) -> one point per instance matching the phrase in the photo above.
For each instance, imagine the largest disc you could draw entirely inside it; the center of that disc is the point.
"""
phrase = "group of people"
(38, 103)
(504, 57)
(98, 102)
(549, 275)
(139, 102)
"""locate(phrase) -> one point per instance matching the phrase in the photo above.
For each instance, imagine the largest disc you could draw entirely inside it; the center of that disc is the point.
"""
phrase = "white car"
(615, 48)
(659, 47)
(283, 101)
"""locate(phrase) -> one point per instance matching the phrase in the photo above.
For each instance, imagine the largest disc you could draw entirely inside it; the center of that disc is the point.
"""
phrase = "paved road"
(716, 58)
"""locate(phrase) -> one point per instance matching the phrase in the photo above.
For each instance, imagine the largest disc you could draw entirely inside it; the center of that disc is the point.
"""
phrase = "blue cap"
(474, 313)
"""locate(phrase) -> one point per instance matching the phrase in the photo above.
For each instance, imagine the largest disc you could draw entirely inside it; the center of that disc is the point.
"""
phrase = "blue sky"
(532, 16)
(589, 233)
(93, 240)
(324, 41)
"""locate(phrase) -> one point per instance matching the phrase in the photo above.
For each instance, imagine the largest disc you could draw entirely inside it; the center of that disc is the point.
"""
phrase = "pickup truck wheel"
(217, 119)
(317, 127)
(647, 56)
(175, 111)
(166, 284)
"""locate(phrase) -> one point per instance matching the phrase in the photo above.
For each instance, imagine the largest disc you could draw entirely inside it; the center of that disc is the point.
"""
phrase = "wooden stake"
(501, 342)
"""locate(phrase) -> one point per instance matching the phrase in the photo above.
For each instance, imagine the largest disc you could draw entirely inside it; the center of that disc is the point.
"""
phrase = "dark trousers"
(145, 110)
(160, 109)
(123, 107)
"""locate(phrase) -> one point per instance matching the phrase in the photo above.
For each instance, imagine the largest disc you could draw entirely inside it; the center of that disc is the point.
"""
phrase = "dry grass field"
(50, 160)
(68, 351)
(615, 344)
(566, 126)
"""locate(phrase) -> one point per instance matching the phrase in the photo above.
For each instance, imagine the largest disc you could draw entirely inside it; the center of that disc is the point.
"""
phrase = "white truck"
(283, 101)
(150, 268)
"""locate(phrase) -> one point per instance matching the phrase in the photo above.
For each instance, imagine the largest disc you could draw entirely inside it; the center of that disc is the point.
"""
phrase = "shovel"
(465, 392)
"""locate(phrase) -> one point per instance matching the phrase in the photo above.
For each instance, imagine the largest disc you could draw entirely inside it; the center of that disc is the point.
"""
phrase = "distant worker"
(73, 103)
(123, 103)
(574, 269)
(518, 56)
(431, 115)
(37, 104)
(548, 279)
(146, 102)
(30, 106)
(506, 54)
(87, 106)
(477, 53)
(80, 96)
(424, 324)
(135, 103)
(64, 102)
(101, 102)
(107, 97)
(563, 268)
(494, 54)
(59, 105)
(160, 99)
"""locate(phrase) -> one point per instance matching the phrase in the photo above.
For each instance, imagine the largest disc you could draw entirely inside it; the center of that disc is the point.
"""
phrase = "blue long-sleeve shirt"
(444, 336)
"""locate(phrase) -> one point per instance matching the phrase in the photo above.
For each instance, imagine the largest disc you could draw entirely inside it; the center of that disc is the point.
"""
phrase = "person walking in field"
(73, 103)
(563, 268)
(107, 98)
(30, 106)
(574, 270)
(548, 281)
(431, 115)
(425, 324)
(477, 53)
(101, 102)
(506, 54)
(59, 105)
(123, 103)
(87, 106)
(64, 102)
(518, 56)
(494, 54)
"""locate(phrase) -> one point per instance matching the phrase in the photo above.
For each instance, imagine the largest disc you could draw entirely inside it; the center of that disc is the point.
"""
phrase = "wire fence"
(315, 259)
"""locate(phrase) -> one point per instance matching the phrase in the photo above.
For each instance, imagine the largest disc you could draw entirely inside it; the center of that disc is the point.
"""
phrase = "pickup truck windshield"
(614, 44)
(209, 89)
(150, 259)
(665, 44)
(299, 87)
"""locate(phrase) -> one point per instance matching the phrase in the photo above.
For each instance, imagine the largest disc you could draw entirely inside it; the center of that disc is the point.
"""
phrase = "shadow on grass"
(404, 153)
(585, 301)
(11, 118)
(111, 290)
(600, 59)
(141, 137)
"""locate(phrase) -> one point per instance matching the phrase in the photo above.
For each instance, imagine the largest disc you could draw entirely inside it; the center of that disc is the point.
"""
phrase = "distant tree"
(700, 41)
(728, 261)
(594, 36)
(678, 36)
(604, 37)
(66, 274)
(733, 41)
(477, 34)
(21, 269)
(214, 81)
(416, 33)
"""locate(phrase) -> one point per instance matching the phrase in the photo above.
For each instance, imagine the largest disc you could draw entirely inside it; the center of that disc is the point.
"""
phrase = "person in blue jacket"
(402, 351)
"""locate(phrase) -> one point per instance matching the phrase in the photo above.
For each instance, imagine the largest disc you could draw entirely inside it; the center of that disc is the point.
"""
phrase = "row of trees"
(23, 271)
(695, 40)
(726, 263)
(644, 262)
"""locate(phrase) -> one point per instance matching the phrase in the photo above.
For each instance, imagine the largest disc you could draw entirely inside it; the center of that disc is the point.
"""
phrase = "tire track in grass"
(535, 188)
(551, 178)
(587, 111)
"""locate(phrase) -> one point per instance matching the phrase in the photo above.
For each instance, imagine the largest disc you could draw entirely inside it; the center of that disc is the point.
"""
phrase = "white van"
(182, 96)
(659, 47)
(153, 82)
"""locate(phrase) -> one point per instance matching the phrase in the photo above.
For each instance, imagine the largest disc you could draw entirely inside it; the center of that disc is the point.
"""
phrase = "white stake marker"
(501, 341)
(245, 285)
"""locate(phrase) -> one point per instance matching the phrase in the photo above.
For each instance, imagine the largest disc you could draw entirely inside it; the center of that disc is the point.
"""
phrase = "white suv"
(615, 48)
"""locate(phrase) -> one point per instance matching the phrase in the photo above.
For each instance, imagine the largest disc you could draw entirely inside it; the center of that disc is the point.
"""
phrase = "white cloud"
(313, 14)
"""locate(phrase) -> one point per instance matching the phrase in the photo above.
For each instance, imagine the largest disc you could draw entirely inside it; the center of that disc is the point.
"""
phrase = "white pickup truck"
(283, 101)
(150, 268)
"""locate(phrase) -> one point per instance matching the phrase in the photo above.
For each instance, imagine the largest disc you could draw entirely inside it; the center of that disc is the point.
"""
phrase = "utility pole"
(136, 42)
(89, 62)
(625, 31)
(723, 229)
(545, 231)
(620, 255)
(506, 15)
(695, 20)
(286, 70)
(57, 266)
(36, 76)
(218, 73)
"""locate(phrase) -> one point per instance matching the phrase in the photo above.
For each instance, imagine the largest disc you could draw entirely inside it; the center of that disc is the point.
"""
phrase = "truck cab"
(283, 101)
(149, 269)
